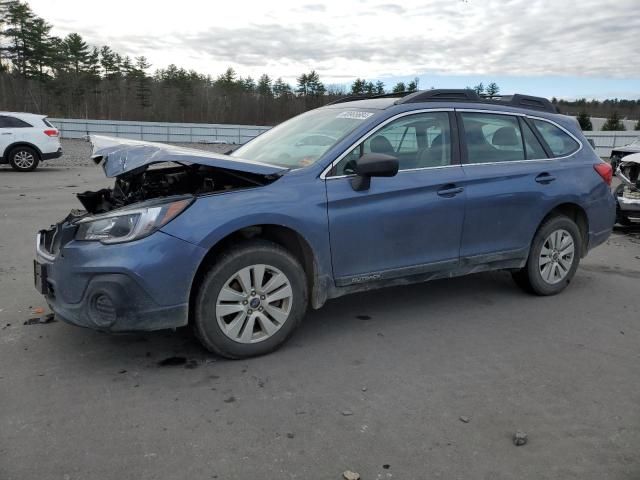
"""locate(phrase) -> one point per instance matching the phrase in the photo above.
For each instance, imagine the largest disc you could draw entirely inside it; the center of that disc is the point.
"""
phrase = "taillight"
(605, 171)
(51, 133)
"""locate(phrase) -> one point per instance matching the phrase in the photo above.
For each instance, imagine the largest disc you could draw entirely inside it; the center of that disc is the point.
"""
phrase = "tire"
(222, 319)
(24, 159)
(550, 272)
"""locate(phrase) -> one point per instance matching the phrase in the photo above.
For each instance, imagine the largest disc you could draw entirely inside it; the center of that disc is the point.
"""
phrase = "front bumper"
(137, 286)
(629, 205)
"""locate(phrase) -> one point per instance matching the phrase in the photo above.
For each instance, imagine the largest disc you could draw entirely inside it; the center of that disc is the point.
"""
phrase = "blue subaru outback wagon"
(359, 194)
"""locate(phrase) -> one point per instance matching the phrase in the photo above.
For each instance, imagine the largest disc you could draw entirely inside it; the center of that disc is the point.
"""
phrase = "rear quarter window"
(559, 141)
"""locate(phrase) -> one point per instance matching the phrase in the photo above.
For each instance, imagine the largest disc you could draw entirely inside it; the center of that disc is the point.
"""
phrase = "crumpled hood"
(631, 147)
(633, 158)
(121, 155)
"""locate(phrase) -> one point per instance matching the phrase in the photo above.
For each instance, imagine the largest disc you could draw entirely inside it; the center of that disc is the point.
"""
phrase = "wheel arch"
(14, 145)
(576, 213)
(287, 237)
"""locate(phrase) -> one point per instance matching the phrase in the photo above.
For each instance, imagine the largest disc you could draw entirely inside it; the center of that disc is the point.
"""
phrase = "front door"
(403, 225)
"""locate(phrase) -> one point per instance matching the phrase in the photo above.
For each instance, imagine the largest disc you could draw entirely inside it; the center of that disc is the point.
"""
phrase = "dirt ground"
(419, 382)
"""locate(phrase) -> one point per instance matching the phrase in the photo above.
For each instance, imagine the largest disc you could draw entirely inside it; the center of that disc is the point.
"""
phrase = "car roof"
(23, 115)
(450, 98)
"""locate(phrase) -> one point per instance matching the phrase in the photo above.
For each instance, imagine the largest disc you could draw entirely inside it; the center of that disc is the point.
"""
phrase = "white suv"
(26, 139)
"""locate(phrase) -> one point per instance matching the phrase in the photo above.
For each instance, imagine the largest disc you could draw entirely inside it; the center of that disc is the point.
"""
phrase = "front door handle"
(450, 190)
(545, 178)
(6, 133)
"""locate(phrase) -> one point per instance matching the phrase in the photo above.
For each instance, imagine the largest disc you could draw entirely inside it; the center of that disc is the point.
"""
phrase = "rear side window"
(12, 122)
(559, 141)
(532, 146)
(492, 138)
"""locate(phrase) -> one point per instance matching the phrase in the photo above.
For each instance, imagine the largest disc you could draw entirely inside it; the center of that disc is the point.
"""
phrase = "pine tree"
(281, 89)
(358, 86)
(479, 88)
(584, 119)
(143, 89)
(613, 123)
(399, 88)
(413, 85)
(379, 88)
(77, 52)
(264, 86)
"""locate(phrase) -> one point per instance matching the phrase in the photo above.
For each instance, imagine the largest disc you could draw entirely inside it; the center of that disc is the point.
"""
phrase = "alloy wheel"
(556, 256)
(254, 303)
(23, 159)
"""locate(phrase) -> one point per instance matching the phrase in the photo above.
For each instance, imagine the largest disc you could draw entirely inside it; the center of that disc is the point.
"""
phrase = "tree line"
(66, 77)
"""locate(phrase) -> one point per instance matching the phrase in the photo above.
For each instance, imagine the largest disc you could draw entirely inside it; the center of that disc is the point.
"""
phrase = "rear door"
(511, 183)
(407, 224)
(6, 135)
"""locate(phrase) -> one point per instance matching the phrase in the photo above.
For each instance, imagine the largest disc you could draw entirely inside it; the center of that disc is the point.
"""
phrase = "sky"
(560, 48)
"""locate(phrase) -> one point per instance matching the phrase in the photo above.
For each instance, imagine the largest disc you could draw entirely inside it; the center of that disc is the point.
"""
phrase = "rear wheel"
(553, 258)
(250, 301)
(24, 159)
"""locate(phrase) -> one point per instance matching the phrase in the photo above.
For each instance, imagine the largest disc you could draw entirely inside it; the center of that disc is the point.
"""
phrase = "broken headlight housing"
(127, 224)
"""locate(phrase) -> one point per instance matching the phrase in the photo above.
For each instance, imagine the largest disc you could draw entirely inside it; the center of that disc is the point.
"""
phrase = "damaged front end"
(628, 192)
(89, 267)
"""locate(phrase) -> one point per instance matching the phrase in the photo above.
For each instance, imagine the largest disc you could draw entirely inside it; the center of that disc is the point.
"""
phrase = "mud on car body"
(359, 194)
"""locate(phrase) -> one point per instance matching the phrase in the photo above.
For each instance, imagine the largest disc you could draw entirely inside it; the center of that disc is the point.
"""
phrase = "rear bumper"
(51, 156)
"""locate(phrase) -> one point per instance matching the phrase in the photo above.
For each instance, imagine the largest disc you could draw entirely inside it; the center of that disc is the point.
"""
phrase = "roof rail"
(436, 95)
(468, 95)
(353, 98)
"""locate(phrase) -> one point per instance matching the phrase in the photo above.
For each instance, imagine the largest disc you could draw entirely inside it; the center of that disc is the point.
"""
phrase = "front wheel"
(553, 258)
(24, 159)
(250, 301)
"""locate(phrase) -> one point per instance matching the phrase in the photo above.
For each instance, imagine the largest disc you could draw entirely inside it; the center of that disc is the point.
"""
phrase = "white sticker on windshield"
(354, 115)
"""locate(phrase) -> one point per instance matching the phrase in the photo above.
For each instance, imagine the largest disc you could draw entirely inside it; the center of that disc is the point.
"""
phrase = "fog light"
(103, 311)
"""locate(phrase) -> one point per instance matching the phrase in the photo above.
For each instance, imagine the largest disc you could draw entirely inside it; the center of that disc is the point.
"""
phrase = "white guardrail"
(158, 131)
(605, 141)
(239, 134)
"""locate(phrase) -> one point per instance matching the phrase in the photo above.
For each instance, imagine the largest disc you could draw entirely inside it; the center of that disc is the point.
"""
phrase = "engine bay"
(164, 181)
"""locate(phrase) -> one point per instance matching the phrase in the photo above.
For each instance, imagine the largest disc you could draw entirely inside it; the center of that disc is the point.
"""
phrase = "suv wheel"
(24, 159)
(553, 258)
(250, 301)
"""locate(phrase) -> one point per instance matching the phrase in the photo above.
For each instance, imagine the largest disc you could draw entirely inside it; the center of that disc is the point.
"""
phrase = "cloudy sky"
(558, 48)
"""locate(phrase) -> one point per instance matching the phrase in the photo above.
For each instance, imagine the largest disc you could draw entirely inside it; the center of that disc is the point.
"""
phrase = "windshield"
(302, 140)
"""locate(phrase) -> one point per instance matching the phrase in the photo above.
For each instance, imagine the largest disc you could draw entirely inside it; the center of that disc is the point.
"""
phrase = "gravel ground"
(419, 382)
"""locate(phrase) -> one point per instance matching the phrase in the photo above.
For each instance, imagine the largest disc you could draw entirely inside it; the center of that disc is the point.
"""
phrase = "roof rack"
(468, 95)
(353, 98)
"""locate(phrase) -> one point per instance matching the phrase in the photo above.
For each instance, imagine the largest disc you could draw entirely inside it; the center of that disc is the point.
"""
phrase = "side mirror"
(373, 165)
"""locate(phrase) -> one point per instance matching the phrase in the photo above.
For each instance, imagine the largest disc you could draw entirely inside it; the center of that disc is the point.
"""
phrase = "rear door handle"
(450, 190)
(545, 178)
(6, 133)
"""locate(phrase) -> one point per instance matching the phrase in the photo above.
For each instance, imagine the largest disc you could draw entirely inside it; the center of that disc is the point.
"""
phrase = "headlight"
(129, 224)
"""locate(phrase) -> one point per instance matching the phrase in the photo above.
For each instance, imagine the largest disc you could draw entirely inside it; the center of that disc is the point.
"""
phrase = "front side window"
(301, 141)
(492, 138)
(559, 141)
(420, 140)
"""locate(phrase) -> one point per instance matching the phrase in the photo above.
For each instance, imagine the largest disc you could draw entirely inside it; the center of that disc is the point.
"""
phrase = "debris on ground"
(520, 438)
(347, 413)
(290, 435)
(386, 466)
(48, 318)
(191, 364)
(349, 475)
(364, 389)
(230, 399)
(38, 311)
(363, 317)
(172, 362)
(465, 419)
